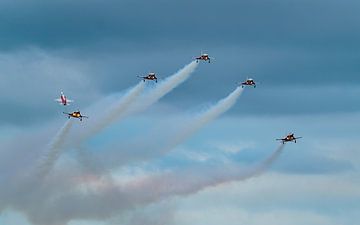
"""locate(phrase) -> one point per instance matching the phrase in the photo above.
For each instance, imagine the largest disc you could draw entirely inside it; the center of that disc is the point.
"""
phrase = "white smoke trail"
(164, 87)
(147, 100)
(166, 141)
(116, 112)
(54, 150)
(128, 104)
(204, 118)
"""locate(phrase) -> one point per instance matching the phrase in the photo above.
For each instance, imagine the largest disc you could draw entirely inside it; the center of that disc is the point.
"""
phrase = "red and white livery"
(63, 100)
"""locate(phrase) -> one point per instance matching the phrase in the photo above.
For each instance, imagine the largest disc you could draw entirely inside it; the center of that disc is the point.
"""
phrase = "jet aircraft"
(63, 100)
(203, 57)
(75, 114)
(248, 82)
(150, 76)
(289, 138)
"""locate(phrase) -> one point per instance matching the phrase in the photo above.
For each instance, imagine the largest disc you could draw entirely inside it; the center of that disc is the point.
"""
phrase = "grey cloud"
(69, 23)
(99, 48)
(30, 81)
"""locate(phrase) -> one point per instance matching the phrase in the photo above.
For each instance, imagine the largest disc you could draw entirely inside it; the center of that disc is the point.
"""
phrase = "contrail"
(54, 150)
(116, 112)
(204, 118)
(164, 87)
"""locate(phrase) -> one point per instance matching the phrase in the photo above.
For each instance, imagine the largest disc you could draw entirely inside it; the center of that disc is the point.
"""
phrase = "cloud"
(234, 216)
(233, 148)
(32, 78)
(100, 22)
(275, 198)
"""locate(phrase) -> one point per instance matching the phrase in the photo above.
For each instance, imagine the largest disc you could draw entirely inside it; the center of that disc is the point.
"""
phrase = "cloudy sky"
(190, 149)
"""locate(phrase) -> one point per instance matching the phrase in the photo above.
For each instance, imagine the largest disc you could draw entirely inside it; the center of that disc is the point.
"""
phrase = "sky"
(193, 148)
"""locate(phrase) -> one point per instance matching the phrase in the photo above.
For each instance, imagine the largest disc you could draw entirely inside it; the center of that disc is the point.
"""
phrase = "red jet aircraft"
(63, 99)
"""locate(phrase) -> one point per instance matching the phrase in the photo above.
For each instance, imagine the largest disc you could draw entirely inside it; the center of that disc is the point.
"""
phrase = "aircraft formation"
(249, 82)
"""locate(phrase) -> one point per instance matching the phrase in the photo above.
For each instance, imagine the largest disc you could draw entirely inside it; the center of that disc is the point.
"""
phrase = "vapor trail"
(164, 87)
(115, 112)
(54, 150)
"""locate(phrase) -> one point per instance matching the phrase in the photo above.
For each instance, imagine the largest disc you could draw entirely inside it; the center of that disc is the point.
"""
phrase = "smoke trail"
(116, 112)
(163, 142)
(197, 179)
(164, 87)
(54, 150)
(204, 118)
(148, 99)
(112, 198)
(258, 170)
(128, 105)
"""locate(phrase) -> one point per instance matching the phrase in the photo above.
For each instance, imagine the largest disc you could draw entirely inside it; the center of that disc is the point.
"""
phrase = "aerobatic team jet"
(63, 99)
(150, 76)
(289, 138)
(76, 115)
(203, 57)
(248, 82)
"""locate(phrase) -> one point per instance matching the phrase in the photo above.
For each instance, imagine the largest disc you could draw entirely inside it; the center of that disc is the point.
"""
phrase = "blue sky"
(304, 54)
